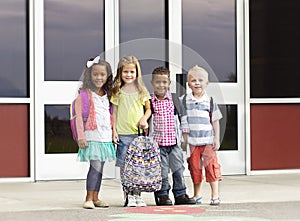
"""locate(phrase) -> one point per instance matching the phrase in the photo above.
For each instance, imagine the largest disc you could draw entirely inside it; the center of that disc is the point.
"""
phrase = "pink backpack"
(85, 112)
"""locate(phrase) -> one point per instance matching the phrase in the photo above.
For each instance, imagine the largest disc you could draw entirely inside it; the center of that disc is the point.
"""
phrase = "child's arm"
(184, 126)
(115, 135)
(82, 143)
(216, 141)
(143, 124)
(184, 143)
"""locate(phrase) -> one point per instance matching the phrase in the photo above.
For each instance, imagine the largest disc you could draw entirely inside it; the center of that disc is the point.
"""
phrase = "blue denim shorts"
(124, 142)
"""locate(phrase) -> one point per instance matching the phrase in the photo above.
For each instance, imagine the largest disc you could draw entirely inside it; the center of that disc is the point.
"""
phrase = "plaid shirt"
(163, 120)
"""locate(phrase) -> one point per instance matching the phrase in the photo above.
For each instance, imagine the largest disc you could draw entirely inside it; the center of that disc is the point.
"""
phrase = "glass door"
(212, 37)
(67, 34)
(175, 33)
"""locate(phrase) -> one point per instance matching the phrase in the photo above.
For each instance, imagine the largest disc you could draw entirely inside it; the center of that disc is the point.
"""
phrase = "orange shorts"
(204, 156)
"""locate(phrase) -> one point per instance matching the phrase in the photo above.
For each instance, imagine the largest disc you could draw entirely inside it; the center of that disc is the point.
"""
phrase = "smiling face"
(99, 76)
(128, 74)
(160, 83)
(198, 81)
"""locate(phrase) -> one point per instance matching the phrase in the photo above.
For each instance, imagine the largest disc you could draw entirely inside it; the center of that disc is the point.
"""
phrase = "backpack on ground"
(85, 112)
(142, 170)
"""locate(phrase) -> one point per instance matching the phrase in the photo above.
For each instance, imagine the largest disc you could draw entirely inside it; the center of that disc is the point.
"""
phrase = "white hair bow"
(95, 61)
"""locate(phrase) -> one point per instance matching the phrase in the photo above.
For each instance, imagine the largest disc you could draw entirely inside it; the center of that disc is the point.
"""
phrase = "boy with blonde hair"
(202, 134)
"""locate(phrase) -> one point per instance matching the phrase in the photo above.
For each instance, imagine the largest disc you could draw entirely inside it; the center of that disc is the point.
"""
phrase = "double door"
(157, 35)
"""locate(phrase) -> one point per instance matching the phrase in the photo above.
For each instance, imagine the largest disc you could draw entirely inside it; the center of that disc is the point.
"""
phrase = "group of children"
(121, 106)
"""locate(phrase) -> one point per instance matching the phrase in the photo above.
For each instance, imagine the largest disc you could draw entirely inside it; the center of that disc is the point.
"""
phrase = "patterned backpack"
(85, 112)
(142, 169)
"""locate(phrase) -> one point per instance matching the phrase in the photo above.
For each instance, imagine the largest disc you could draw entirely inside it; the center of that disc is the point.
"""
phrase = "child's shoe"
(215, 201)
(88, 205)
(184, 199)
(139, 201)
(163, 200)
(131, 201)
(198, 200)
(100, 203)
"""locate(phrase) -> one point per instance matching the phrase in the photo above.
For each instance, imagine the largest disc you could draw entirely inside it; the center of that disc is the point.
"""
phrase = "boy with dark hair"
(165, 128)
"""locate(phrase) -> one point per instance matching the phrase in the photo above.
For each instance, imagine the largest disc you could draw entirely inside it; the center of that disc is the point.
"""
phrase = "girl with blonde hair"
(131, 110)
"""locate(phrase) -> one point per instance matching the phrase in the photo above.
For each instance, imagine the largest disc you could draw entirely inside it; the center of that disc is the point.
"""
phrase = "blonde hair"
(197, 69)
(118, 82)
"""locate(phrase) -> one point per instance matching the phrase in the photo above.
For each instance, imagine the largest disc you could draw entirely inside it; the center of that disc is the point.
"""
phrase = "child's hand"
(115, 137)
(216, 144)
(184, 145)
(143, 124)
(82, 143)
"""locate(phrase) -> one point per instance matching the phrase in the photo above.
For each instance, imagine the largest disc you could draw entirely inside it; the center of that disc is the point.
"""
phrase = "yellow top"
(130, 111)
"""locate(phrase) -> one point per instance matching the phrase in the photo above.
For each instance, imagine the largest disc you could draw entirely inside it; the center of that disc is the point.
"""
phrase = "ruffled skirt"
(103, 151)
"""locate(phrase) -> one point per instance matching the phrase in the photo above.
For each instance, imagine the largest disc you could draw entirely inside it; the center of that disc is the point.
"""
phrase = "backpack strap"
(85, 105)
(177, 109)
(211, 109)
(175, 100)
(184, 101)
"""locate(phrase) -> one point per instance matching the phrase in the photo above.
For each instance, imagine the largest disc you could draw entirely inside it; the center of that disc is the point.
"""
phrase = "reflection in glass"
(74, 32)
(13, 48)
(230, 138)
(274, 49)
(58, 136)
(143, 19)
(209, 28)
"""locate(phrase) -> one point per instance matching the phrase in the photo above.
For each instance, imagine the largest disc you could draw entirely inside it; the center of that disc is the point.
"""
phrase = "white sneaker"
(131, 201)
(139, 201)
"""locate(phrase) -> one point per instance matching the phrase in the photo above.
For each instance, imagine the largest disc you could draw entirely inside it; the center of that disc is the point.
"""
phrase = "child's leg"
(195, 168)
(214, 189)
(93, 183)
(197, 190)
(89, 195)
(213, 173)
(94, 180)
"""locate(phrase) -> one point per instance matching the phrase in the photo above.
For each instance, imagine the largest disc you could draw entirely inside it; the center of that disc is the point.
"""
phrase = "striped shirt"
(163, 120)
(197, 110)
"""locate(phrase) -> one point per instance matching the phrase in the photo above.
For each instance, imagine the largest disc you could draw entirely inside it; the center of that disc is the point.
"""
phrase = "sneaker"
(131, 201)
(88, 205)
(139, 201)
(100, 203)
(163, 200)
(184, 199)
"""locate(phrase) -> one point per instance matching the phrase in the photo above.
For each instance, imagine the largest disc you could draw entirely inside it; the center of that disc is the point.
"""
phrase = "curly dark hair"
(87, 82)
(161, 71)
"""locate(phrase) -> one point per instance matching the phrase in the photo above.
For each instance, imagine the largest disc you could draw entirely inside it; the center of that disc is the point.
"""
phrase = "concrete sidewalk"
(62, 195)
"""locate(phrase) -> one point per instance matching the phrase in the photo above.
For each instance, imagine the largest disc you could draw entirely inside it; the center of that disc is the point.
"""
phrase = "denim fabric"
(94, 176)
(124, 142)
(172, 158)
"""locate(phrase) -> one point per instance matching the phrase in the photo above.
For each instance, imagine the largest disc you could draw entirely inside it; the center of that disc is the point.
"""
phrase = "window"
(274, 49)
(13, 49)
(209, 28)
(58, 135)
(74, 32)
(144, 19)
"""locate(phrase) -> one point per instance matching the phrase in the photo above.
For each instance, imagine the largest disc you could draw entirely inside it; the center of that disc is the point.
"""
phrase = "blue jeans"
(124, 142)
(172, 158)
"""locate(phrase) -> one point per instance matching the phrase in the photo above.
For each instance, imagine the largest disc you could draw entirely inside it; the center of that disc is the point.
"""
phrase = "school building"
(250, 48)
